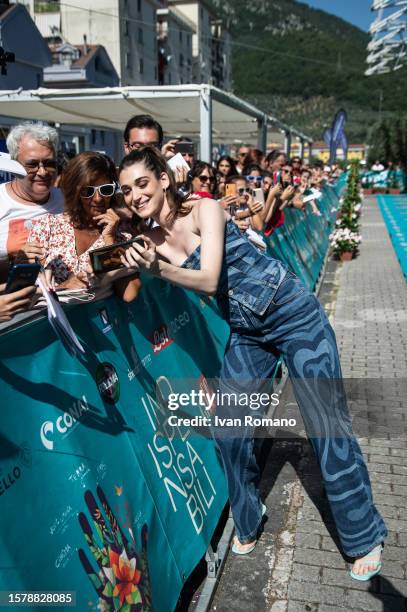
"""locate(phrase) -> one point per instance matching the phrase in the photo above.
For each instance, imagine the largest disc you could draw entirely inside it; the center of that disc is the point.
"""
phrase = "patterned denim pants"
(295, 326)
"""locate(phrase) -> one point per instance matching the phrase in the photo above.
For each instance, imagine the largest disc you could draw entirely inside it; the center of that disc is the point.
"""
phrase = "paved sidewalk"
(297, 565)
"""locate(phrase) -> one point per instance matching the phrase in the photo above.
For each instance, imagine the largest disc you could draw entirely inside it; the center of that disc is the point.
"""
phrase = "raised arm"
(210, 220)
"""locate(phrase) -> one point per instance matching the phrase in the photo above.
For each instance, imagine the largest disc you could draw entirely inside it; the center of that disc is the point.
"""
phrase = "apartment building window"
(128, 61)
(139, 6)
(181, 60)
(180, 36)
(141, 65)
(140, 36)
(126, 28)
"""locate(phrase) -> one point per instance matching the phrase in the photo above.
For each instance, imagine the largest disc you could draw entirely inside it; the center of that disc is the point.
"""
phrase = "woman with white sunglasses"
(88, 222)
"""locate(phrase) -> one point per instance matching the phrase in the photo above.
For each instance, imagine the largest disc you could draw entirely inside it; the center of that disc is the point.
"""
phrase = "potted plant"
(393, 184)
(346, 238)
(345, 243)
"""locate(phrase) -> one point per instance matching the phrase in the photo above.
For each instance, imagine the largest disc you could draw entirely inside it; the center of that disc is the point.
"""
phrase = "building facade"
(127, 30)
(174, 36)
(221, 56)
(28, 69)
(80, 66)
(201, 15)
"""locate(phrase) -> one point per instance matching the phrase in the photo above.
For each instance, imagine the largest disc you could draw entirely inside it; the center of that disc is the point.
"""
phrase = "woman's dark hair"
(273, 155)
(232, 170)
(254, 156)
(248, 169)
(83, 170)
(154, 161)
(196, 170)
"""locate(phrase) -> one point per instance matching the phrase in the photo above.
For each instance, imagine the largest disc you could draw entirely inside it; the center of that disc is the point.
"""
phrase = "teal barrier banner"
(98, 494)
(303, 240)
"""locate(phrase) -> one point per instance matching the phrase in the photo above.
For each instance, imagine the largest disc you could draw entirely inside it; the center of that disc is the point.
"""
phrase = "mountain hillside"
(303, 64)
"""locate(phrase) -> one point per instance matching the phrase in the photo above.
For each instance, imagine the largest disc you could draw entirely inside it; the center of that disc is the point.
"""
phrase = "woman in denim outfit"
(270, 313)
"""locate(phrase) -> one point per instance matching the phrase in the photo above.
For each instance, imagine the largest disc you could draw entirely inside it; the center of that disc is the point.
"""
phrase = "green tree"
(399, 141)
(380, 145)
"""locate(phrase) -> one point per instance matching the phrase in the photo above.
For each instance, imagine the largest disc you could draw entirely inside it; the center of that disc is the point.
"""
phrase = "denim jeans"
(296, 327)
(271, 313)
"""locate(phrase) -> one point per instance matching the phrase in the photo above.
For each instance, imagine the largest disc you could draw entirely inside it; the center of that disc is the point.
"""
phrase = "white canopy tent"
(200, 111)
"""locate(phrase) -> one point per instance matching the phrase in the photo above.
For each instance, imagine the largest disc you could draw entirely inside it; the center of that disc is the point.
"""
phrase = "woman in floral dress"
(88, 222)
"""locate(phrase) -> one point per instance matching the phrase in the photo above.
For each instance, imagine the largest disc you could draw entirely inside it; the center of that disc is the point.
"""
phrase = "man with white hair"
(25, 200)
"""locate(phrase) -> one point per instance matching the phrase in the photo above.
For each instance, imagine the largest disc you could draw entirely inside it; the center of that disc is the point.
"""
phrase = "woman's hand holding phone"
(142, 258)
(30, 252)
(288, 193)
(228, 201)
(255, 207)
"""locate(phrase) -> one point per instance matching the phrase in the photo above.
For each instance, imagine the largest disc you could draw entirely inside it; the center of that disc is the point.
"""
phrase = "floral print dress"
(56, 234)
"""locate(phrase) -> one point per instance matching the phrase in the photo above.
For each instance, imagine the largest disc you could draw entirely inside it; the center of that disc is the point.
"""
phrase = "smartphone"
(22, 275)
(230, 189)
(107, 258)
(258, 195)
(184, 148)
(176, 162)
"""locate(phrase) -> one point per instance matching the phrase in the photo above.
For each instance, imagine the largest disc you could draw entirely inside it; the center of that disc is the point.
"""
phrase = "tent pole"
(287, 143)
(262, 133)
(205, 112)
(309, 151)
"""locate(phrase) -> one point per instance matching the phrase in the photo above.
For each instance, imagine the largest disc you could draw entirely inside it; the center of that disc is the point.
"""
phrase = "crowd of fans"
(63, 209)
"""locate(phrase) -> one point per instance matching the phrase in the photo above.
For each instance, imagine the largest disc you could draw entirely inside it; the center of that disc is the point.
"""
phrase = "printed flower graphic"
(122, 581)
(125, 576)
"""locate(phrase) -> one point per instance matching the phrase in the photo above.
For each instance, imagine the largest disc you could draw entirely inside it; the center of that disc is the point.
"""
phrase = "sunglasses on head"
(204, 179)
(105, 191)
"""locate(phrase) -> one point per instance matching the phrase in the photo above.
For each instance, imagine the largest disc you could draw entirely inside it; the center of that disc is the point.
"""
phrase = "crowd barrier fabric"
(302, 242)
(98, 494)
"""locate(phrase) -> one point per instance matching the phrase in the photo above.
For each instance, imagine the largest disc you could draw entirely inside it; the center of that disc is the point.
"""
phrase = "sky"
(356, 12)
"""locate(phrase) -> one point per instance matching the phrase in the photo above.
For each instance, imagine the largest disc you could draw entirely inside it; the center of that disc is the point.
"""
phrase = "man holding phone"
(144, 130)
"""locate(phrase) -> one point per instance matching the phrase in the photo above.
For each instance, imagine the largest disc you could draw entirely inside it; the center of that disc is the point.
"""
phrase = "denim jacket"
(248, 276)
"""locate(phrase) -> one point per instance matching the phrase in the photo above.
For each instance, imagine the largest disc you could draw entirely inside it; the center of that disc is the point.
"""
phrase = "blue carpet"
(394, 211)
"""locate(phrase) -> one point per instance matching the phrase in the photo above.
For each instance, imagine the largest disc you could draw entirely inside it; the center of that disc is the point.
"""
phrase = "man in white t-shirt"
(24, 200)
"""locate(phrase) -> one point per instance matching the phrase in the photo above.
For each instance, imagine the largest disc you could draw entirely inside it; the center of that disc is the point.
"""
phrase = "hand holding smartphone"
(108, 258)
(230, 189)
(21, 276)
